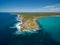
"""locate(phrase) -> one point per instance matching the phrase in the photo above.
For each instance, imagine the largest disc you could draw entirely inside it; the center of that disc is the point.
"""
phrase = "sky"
(29, 5)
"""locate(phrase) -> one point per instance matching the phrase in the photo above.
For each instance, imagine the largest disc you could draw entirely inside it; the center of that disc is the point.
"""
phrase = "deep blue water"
(48, 35)
(6, 20)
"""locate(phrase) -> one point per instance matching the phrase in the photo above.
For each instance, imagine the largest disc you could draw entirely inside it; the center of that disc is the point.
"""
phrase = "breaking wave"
(24, 32)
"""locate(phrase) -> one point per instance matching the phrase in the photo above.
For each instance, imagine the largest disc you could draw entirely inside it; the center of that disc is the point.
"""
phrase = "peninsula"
(28, 19)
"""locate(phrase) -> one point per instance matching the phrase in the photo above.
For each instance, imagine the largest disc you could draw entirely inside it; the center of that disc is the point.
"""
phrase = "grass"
(31, 15)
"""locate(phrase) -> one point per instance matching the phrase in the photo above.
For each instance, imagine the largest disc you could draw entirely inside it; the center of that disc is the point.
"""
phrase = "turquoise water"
(49, 34)
(51, 25)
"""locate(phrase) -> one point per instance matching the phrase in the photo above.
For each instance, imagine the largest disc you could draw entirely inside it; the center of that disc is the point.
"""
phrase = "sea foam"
(17, 25)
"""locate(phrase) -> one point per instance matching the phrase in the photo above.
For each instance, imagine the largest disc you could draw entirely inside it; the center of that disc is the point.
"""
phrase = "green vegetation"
(32, 15)
(28, 19)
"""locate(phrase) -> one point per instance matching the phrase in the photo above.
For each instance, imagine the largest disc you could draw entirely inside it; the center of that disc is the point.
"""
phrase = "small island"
(29, 19)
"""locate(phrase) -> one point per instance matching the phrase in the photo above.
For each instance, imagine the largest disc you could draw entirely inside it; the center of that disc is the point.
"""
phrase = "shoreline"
(18, 25)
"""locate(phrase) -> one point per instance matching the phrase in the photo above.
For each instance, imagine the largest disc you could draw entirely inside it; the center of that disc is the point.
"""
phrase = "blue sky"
(29, 5)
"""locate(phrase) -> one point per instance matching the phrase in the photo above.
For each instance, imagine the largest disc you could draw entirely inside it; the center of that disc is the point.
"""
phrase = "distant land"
(29, 19)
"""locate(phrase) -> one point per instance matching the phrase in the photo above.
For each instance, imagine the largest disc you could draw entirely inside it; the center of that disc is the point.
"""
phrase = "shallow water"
(52, 26)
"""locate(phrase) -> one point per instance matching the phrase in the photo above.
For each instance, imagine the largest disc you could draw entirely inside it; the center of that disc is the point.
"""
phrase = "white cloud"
(51, 8)
(48, 8)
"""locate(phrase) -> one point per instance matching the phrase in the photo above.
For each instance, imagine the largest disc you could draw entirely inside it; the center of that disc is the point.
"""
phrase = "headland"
(29, 19)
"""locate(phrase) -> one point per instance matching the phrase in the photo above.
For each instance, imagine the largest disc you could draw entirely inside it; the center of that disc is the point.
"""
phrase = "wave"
(24, 32)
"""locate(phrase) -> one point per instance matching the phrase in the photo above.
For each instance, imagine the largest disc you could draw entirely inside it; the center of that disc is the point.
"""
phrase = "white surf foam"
(17, 25)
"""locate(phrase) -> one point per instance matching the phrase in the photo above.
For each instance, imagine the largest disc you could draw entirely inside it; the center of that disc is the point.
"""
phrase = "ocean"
(49, 34)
